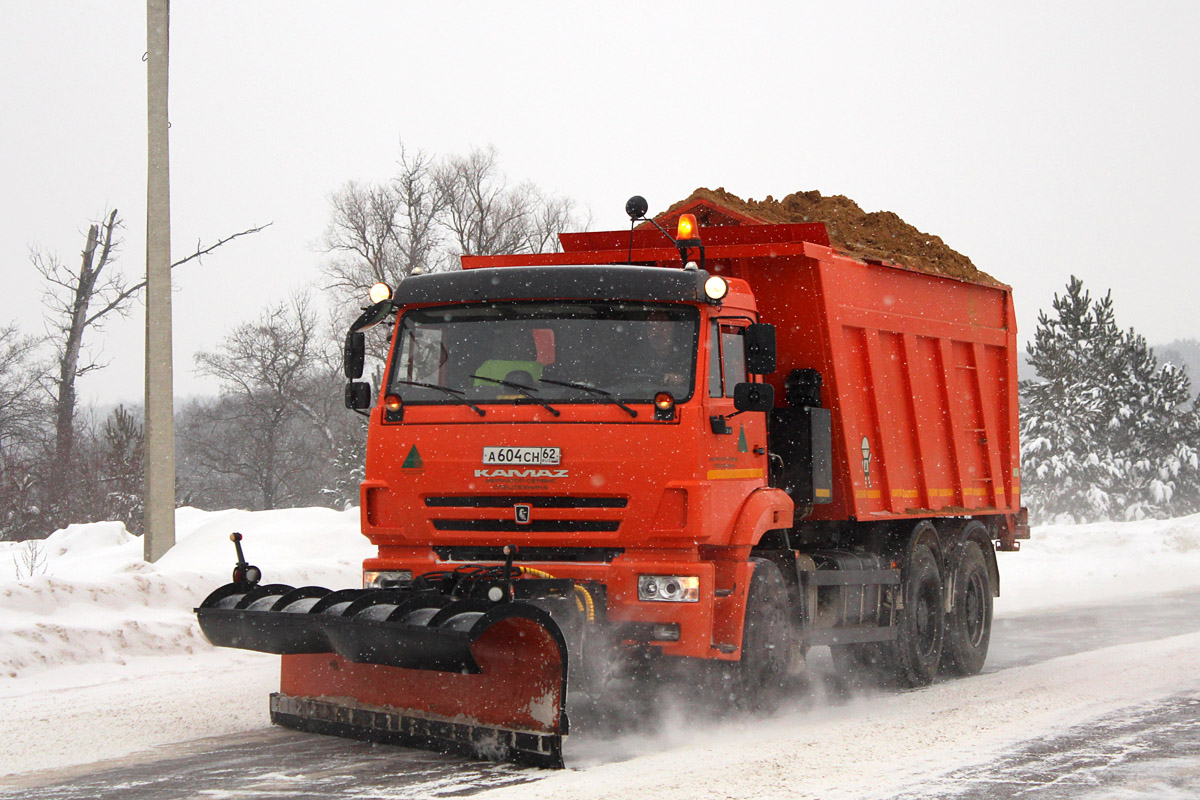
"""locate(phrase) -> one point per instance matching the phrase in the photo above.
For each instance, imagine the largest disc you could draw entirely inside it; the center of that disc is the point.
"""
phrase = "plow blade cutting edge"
(482, 679)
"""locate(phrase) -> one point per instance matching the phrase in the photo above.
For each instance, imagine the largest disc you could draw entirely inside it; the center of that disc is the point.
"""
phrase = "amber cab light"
(664, 406)
(392, 402)
(687, 231)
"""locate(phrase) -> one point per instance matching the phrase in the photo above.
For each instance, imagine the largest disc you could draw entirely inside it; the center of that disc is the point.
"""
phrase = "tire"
(922, 622)
(758, 680)
(969, 623)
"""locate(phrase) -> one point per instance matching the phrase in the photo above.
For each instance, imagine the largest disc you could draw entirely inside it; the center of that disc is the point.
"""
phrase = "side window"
(733, 358)
(421, 355)
(727, 367)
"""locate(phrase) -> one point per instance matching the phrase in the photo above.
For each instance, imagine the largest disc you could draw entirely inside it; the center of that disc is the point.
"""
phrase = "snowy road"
(1038, 723)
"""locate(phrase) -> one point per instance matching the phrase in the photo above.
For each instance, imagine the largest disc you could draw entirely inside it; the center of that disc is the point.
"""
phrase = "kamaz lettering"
(521, 473)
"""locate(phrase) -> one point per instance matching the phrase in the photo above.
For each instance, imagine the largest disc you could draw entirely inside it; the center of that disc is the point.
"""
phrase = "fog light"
(391, 579)
(665, 631)
(669, 588)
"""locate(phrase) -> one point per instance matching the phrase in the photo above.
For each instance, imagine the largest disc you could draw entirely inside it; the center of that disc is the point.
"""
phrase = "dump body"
(919, 373)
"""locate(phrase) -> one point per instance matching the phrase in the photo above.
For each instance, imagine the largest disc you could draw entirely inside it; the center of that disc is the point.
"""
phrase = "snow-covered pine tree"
(1106, 431)
(1063, 463)
(1157, 431)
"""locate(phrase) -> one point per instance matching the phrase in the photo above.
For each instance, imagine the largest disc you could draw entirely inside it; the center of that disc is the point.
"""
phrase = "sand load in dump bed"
(880, 235)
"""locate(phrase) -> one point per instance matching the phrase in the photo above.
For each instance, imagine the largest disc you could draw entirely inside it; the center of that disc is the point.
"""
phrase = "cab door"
(736, 443)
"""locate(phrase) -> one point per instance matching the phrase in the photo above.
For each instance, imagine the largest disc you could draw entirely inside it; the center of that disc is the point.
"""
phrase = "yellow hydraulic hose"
(587, 604)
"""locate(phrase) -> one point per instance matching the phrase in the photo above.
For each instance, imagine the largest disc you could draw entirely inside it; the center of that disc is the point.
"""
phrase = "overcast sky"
(1041, 139)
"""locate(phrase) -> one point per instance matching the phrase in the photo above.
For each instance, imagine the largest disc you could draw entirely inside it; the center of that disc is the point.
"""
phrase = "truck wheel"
(922, 623)
(969, 623)
(757, 681)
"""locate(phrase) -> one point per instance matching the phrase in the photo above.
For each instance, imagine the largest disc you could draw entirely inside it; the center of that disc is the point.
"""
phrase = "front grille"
(537, 525)
(526, 554)
(536, 501)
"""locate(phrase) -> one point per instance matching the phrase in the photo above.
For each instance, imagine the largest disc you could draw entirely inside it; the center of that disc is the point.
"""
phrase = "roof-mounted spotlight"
(715, 288)
(380, 292)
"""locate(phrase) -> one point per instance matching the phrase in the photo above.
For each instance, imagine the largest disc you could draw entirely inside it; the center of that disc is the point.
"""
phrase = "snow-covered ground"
(100, 657)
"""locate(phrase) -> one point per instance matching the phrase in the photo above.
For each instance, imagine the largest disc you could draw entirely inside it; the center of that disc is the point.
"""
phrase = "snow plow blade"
(478, 678)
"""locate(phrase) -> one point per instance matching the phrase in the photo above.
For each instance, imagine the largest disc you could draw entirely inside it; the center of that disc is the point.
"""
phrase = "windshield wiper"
(593, 390)
(525, 390)
(456, 393)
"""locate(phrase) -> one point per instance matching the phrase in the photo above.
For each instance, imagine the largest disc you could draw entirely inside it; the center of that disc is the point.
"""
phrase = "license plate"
(521, 455)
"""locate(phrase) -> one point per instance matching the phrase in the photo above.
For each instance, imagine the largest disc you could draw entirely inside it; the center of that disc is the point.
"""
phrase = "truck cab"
(605, 421)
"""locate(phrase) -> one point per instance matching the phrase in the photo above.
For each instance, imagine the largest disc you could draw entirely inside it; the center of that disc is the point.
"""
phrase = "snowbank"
(1072, 565)
(94, 600)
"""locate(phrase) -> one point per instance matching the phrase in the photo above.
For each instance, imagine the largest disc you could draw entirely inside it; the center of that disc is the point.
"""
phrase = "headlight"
(393, 579)
(669, 588)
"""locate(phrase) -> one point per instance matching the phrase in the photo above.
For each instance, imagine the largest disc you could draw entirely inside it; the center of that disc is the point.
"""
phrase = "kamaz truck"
(721, 447)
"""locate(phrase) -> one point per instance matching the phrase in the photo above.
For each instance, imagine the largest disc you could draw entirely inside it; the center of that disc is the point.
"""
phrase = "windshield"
(545, 352)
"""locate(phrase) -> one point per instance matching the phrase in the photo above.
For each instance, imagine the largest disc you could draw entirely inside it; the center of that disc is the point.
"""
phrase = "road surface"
(1143, 751)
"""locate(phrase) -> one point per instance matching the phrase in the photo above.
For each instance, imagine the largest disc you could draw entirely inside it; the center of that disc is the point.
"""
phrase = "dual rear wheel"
(930, 639)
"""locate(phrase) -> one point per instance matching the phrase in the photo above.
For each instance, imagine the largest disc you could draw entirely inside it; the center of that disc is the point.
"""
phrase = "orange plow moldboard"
(513, 709)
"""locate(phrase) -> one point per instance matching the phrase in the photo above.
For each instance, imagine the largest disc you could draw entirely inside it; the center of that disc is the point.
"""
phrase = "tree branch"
(201, 252)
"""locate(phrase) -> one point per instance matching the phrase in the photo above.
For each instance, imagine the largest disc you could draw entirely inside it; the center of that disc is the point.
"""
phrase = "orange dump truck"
(725, 447)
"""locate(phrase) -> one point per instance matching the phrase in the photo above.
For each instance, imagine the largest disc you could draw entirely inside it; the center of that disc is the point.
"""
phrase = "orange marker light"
(688, 230)
(664, 406)
(392, 402)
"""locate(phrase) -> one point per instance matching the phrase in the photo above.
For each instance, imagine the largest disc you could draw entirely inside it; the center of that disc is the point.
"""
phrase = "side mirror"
(754, 397)
(760, 349)
(372, 316)
(354, 355)
(358, 395)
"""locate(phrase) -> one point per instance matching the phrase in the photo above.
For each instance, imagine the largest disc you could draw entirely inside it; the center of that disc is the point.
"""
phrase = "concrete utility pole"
(159, 517)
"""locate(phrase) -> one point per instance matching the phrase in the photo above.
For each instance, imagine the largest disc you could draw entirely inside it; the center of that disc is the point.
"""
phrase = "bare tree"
(433, 211)
(261, 431)
(383, 232)
(483, 214)
(552, 216)
(21, 407)
(23, 413)
(78, 301)
(364, 236)
(422, 205)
